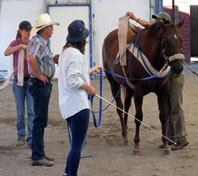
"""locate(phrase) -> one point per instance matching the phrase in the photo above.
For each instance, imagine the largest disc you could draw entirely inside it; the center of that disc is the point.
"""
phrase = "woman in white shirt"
(74, 87)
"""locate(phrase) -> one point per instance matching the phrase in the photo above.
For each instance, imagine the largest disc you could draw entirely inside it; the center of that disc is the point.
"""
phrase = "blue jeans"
(41, 95)
(21, 94)
(78, 124)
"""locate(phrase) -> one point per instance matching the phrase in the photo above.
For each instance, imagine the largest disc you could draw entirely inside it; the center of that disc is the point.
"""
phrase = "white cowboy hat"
(41, 22)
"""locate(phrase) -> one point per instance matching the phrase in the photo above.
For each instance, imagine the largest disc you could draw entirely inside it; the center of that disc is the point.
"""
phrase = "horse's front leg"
(120, 113)
(138, 99)
(128, 94)
(163, 104)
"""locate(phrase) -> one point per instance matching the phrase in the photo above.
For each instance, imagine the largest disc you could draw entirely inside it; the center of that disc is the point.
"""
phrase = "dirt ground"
(104, 154)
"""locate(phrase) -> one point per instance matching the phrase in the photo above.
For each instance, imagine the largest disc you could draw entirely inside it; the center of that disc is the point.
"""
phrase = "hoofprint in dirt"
(104, 154)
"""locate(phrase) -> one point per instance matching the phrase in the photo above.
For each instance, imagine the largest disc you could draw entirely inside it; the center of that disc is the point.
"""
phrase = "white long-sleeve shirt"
(73, 72)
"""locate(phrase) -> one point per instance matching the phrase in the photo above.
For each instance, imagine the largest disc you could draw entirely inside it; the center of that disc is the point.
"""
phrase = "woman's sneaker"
(20, 142)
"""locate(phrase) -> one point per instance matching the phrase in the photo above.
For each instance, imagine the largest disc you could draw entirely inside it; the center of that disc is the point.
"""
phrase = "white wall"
(11, 14)
(65, 15)
(106, 14)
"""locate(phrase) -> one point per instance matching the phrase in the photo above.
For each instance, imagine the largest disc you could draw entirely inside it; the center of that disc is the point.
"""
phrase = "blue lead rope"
(135, 79)
(97, 123)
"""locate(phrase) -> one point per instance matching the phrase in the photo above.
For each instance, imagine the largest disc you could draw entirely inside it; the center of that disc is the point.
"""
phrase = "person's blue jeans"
(41, 95)
(21, 94)
(78, 124)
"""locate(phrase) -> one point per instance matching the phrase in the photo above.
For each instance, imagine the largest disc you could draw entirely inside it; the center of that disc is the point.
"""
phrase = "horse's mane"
(154, 29)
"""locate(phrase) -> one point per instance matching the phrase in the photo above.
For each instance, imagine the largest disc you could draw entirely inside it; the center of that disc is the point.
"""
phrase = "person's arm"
(138, 20)
(90, 89)
(35, 69)
(11, 50)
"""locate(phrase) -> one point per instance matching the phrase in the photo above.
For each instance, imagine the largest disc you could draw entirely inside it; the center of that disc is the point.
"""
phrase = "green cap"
(162, 15)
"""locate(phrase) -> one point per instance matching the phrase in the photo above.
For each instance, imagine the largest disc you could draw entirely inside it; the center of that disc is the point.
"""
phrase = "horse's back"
(111, 47)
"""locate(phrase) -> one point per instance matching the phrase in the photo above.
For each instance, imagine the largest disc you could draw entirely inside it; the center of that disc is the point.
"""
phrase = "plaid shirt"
(38, 48)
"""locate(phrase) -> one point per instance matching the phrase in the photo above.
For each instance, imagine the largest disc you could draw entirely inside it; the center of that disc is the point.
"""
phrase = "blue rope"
(111, 101)
(139, 51)
(97, 123)
(132, 79)
(137, 38)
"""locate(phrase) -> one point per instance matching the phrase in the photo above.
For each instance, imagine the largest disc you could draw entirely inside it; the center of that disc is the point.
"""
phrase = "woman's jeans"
(78, 124)
(21, 94)
(41, 95)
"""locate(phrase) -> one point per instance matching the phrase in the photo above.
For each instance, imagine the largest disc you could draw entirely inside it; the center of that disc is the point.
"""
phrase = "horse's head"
(171, 44)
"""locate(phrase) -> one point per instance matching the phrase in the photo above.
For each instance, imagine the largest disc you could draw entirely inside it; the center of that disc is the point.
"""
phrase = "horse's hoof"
(136, 151)
(125, 143)
(167, 151)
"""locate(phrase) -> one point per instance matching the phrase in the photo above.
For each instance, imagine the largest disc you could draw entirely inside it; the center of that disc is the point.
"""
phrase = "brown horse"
(159, 42)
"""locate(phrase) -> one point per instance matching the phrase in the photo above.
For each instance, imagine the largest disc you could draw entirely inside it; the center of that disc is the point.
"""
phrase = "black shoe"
(179, 146)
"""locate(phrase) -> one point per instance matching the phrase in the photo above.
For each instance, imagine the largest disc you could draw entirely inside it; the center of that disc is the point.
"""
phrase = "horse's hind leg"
(116, 92)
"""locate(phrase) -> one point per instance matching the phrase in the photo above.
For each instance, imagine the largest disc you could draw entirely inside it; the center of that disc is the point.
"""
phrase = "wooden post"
(173, 10)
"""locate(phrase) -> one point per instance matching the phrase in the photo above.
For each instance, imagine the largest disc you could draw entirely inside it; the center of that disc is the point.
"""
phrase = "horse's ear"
(162, 28)
(180, 23)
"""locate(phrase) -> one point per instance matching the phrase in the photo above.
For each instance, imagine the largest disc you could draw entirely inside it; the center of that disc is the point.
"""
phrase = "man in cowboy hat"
(176, 123)
(42, 66)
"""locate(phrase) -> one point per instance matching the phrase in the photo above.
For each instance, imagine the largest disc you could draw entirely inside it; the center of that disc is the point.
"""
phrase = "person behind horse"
(74, 87)
(21, 92)
(176, 123)
(42, 65)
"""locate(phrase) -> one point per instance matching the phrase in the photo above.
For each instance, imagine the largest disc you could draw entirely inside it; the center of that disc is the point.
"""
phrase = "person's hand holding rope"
(96, 69)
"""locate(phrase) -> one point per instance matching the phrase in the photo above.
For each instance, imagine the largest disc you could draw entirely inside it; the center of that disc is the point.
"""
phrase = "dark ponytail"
(18, 36)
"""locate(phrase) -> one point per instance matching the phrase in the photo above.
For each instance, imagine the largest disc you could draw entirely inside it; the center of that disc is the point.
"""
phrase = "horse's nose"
(177, 69)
